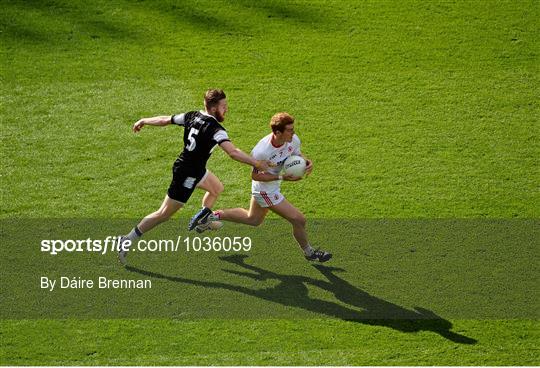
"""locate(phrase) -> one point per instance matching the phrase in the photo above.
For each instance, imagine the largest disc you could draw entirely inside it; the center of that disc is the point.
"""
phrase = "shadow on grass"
(59, 21)
(292, 291)
(62, 22)
(212, 17)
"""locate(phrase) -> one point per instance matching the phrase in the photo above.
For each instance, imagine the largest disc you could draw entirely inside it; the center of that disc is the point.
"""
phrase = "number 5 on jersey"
(191, 138)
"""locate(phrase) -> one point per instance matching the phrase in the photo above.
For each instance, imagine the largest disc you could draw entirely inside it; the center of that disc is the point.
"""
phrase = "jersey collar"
(272, 143)
(207, 114)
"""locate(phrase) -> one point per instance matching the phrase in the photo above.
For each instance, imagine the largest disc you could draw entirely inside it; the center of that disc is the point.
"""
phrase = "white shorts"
(266, 200)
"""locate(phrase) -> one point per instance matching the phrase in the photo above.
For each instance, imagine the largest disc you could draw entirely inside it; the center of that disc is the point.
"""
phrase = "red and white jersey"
(265, 150)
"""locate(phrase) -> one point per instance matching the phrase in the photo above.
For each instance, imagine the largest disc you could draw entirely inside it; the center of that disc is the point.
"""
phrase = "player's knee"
(161, 217)
(299, 220)
(217, 189)
(164, 214)
(256, 221)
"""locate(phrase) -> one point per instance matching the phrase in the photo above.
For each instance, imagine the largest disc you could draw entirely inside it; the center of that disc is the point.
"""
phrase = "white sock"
(134, 234)
(308, 251)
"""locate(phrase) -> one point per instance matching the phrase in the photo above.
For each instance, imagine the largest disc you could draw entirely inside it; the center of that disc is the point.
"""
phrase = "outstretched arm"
(156, 121)
(238, 155)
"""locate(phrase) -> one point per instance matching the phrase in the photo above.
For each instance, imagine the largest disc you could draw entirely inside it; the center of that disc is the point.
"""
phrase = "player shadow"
(360, 306)
(379, 312)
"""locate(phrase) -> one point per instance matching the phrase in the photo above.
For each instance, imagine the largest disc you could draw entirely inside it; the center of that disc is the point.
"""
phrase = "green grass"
(409, 109)
(427, 109)
(271, 342)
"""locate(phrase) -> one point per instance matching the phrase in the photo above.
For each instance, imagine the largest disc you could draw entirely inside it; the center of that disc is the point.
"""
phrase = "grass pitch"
(409, 110)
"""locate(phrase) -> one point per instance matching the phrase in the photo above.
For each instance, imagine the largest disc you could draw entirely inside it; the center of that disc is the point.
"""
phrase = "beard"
(219, 116)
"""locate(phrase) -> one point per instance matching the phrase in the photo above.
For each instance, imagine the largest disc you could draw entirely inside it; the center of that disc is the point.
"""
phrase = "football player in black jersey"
(202, 132)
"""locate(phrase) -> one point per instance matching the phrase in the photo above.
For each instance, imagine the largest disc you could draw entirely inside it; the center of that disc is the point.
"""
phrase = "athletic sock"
(217, 214)
(134, 234)
(308, 250)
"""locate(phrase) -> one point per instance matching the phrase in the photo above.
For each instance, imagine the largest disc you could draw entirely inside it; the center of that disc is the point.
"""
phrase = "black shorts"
(184, 181)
